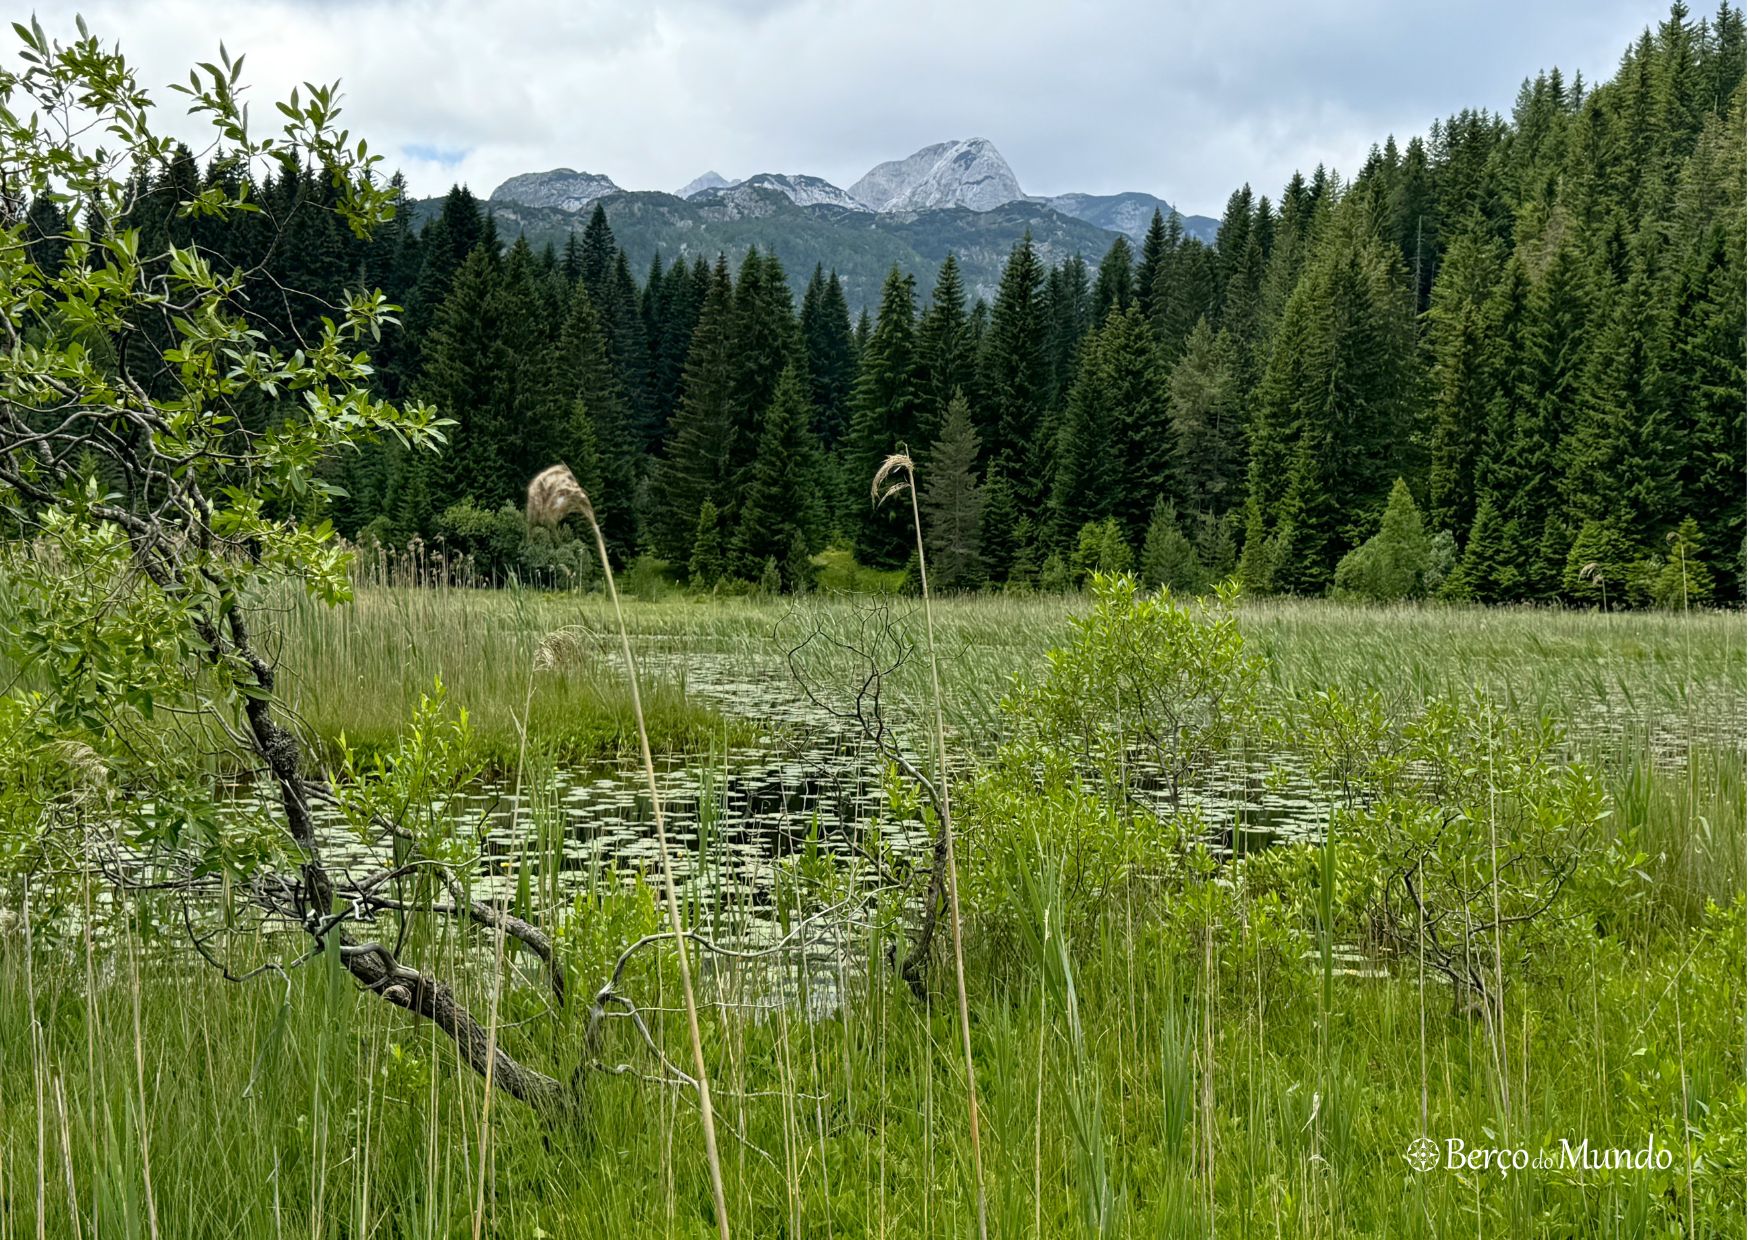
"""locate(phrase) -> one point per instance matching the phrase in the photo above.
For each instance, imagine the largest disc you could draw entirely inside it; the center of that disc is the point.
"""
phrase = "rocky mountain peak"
(968, 172)
(565, 188)
(697, 185)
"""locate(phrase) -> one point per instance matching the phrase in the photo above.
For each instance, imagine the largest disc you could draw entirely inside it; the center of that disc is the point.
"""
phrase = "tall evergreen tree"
(1013, 374)
(703, 447)
(1207, 440)
(1115, 286)
(888, 405)
(944, 346)
(597, 429)
(831, 355)
(1459, 341)
(1154, 248)
(952, 503)
(598, 250)
(781, 507)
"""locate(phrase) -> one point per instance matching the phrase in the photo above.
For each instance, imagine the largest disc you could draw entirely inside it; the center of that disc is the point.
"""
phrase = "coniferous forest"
(1532, 321)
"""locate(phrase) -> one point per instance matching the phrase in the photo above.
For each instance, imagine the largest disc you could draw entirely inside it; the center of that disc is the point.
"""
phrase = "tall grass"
(1135, 1076)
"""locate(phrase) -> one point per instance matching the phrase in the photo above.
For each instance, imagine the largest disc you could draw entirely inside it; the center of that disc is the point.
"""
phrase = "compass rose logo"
(1422, 1154)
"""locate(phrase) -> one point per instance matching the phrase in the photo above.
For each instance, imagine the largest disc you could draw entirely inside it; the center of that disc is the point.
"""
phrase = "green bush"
(492, 540)
(1684, 580)
(1392, 564)
(1101, 548)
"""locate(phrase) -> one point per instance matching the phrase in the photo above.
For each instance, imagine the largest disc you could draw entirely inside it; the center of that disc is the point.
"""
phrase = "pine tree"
(831, 355)
(1207, 441)
(1460, 341)
(1013, 374)
(598, 252)
(1154, 247)
(780, 504)
(707, 562)
(888, 403)
(947, 360)
(951, 503)
(1115, 286)
(702, 450)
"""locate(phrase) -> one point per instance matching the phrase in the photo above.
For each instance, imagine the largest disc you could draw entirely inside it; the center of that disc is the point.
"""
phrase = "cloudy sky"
(1182, 100)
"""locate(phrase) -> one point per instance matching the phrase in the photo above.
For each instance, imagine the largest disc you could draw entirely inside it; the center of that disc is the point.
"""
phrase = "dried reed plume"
(898, 473)
(552, 496)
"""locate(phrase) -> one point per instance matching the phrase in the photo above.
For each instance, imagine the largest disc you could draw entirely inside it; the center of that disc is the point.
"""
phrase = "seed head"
(554, 495)
(898, 463)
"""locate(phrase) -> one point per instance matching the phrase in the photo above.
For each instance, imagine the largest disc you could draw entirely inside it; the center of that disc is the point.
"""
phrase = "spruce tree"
(998, 529)
(1014, 376)
(598, 426)
(1460, 340)
(780, 506)
(1154, 247)
(1206, 440)
(707, 562)
(951, 502)
(947, 359)
(888, 403)
(628, 346)
(1168, 558)
(1087, 463)
(1129, 375)
(460, 377)
(766, 341)
(1557, 347)
(701, 460)
(831, 355)
(598, 252)
(1115, 286)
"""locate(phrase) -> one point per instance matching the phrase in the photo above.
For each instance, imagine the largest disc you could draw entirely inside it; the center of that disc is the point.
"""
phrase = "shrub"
(1101, 548)
(492, 539)
(1145, 679)
(1167, 557)
(1684, 580)
(1464, 826)
(1392, 564)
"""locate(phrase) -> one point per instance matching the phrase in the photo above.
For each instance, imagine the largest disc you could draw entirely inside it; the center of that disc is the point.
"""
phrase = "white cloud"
(1185, 101)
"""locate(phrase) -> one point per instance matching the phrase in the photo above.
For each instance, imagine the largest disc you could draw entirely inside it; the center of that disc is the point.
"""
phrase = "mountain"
(969, 173)
(960, 196)
(803, 191)
(710, 180)
(860, 244)
(1129, 213)
(564, 188)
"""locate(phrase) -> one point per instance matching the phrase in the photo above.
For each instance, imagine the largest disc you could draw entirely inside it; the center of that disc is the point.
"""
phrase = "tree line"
(1503, 362)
